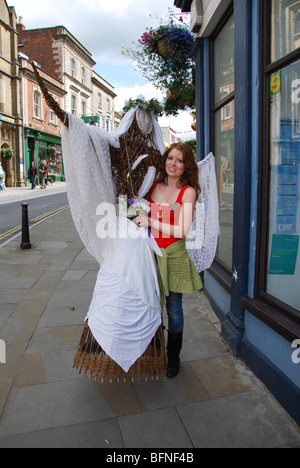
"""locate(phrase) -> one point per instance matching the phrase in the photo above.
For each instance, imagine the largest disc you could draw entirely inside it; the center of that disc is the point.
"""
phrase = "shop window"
(223, 133)
(54, 161)
(283, 272)
(42, 150)
(277, 279)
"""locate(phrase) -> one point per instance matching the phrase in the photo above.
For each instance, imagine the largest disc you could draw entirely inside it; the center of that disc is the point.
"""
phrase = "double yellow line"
(16, 229)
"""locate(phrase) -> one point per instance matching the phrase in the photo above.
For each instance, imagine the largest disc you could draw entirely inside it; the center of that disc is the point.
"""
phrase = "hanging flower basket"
(179, 98)
(6, 153)
(165, 49)
(164, 56)
(164, 53)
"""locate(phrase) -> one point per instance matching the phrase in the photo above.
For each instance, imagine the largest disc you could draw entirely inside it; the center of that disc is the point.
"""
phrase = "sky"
(105, 28)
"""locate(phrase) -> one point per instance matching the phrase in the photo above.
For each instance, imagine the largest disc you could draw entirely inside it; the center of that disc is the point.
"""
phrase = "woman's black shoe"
(172, 371)
(174, 348)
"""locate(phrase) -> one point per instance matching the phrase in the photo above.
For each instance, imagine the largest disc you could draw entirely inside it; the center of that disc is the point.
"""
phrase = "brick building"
(42, 129)
(64, 57)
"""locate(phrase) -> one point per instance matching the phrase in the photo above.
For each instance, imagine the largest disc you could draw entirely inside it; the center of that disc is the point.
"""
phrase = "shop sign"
(92, 120)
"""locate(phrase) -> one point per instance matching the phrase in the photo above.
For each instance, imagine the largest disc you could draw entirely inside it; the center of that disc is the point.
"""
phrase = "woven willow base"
(132, 145)
(91, 358)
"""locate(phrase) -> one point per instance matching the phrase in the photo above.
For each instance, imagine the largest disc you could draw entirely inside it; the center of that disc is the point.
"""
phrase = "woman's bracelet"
(151, 222)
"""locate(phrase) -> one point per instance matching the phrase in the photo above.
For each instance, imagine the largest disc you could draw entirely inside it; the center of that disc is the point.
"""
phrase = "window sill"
(284, 325)
(38, 119)
(221, 275)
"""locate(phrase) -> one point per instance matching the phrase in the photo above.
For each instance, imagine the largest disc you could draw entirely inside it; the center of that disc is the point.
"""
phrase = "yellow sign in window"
(275, 83)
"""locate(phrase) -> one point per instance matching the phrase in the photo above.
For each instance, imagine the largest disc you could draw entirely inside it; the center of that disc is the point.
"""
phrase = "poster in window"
(284, 254)
(287, 199)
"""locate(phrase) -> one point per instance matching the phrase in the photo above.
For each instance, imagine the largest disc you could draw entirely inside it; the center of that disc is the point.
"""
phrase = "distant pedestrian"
(47, 174)
(32, 174)
(43, 174)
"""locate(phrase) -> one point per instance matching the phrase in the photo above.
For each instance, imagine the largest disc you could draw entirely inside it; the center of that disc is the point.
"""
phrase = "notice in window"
(287, 199)
(287, 177)
(289, 152)
(283, 254)
(286, 215)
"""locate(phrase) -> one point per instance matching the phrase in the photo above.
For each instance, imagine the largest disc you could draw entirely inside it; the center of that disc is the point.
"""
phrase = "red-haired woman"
(173, 198)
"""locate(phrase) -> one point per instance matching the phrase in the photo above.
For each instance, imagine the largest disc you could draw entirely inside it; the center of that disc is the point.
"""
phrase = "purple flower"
(131, 201)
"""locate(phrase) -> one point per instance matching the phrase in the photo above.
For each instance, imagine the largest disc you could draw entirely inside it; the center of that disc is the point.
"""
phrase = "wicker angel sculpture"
(123, 333)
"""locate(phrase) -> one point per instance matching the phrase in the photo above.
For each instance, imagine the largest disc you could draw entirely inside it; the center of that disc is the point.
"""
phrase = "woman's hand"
(142, 221)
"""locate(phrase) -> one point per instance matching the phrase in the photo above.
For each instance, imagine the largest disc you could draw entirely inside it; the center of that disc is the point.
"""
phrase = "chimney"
(20, 25)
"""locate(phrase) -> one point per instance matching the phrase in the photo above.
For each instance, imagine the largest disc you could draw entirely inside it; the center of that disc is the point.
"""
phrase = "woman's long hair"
(190, 175)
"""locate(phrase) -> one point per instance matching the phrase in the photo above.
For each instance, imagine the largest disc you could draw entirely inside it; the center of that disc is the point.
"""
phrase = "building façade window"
(108, 105)
(37, 102)
(83, 108)
(73, 104)
(99, 100)
(222, 132)
(73, 67)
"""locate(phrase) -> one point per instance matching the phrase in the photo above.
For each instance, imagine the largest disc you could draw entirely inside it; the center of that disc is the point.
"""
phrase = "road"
(38, 208)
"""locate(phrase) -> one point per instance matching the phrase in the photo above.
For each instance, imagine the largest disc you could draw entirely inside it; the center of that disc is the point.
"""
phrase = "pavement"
(12, 194)
(215, 401)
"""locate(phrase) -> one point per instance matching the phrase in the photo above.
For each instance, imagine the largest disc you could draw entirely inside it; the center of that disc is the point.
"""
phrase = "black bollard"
(25, 244)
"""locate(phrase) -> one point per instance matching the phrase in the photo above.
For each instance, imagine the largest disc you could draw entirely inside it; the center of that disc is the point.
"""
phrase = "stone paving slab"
(97, 434)
(246, 420)
(51, 405)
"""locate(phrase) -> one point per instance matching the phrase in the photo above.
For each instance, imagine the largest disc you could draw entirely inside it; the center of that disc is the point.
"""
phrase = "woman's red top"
(168, 214)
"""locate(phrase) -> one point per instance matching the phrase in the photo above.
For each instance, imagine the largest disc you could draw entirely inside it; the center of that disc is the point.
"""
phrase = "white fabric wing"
(203, 238)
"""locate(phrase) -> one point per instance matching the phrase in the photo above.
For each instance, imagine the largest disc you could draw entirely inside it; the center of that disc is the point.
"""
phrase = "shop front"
(7, 153)
(247, 57)
(41, 146)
